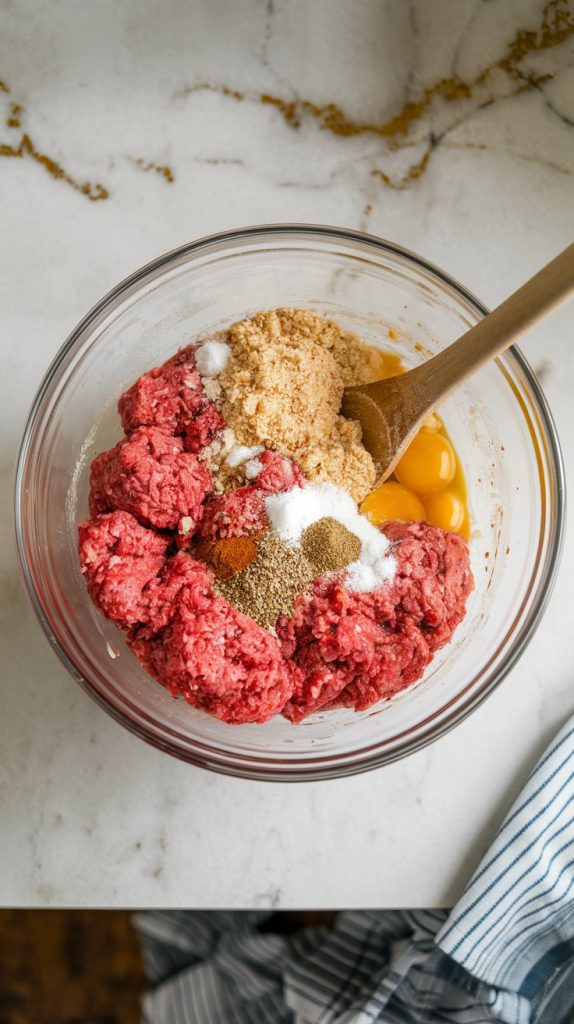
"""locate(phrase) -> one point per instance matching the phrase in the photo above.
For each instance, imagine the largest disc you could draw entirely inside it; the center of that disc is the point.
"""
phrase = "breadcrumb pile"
(282, 389)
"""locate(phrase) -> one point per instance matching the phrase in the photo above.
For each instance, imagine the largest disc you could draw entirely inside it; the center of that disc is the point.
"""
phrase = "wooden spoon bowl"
(391, 411)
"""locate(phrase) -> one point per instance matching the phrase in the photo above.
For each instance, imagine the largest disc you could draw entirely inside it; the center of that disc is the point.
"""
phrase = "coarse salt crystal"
(291, 512)
(241, 453)
(211, 358)
(253, 469)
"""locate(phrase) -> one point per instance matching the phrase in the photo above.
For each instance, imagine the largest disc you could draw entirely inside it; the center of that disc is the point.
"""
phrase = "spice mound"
(329, 545)
(226, 555)
(268, 587)
(226, 542)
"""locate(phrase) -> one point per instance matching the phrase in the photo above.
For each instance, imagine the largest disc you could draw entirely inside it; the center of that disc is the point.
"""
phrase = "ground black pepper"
(268, 587)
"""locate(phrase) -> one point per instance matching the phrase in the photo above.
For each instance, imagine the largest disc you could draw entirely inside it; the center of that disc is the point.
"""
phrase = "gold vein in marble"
(535, 158)
(556, 26)
(25, 148)
(162, 169)
(13, 120)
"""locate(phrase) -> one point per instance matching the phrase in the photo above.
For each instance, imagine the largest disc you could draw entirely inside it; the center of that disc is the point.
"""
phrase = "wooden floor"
(69, 967)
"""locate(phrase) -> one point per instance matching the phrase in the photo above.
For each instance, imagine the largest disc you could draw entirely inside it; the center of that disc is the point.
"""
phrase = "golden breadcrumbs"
(282, 388)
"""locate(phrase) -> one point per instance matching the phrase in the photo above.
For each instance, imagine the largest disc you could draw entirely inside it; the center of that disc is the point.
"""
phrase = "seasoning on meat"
(226, 555)
(216, 657)
(329, 545)
(268, 586)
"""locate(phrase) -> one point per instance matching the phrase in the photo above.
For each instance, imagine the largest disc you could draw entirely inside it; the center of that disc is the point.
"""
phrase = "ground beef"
(355, 649)
(278, 473)
(173, 398)
(235, 514)
(149, 475)
(167, 396)
(118, 558)
(181, 578)
(433, 579)
(339, 648)
(209, 652)
(203, 428)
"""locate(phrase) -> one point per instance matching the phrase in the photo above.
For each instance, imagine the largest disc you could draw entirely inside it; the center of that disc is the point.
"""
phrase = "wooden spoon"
(391, 411)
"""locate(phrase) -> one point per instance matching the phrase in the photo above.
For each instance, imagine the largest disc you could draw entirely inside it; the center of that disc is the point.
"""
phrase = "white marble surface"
(88, 814)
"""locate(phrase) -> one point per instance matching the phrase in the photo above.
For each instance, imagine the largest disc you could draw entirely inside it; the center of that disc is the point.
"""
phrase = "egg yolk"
(428, 482)
(445, 509)
(392, 501)
(429, 463)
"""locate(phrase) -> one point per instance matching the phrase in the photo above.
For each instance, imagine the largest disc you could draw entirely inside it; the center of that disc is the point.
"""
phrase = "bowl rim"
(304, 768)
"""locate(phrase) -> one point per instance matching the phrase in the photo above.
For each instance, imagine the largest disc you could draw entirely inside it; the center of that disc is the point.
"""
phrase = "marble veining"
(430, 117)
(24, 148)
(129, 129)
(409, 136)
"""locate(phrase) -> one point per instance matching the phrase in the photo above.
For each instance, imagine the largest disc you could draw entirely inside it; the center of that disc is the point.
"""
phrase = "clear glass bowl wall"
(499, 424)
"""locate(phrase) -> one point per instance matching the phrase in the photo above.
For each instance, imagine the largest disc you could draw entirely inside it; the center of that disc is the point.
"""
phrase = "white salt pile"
(253, 469)
(211, 358)
(241, 453)
(291, 512)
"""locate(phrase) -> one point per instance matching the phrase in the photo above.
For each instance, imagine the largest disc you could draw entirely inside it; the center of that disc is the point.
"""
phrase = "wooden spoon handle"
(547, 290)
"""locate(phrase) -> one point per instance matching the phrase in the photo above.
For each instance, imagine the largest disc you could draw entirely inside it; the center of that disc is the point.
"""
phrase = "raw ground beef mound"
(184, 633)
(355, 649)
(203, 428)
(208, 651)
(173, 398)
(278, 473)
(178, 574)
(167, 396)
(149, 475)
(237, 513)
(119, 557)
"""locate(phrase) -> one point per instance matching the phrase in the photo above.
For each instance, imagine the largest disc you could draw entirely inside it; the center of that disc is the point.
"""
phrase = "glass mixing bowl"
(499, 422)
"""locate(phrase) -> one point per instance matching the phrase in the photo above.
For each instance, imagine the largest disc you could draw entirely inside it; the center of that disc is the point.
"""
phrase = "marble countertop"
(129, 129)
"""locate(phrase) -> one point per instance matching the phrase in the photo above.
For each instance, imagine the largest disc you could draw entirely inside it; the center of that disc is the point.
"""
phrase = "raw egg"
(445, 509)
(428, 465)
(392, 501)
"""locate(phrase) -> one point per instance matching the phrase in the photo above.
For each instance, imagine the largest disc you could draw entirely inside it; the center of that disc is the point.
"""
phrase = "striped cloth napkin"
(504, 954)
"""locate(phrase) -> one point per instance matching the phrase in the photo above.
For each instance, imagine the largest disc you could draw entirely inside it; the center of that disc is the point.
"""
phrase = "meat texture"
(150, 475)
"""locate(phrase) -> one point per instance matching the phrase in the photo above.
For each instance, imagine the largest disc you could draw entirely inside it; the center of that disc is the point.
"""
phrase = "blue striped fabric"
(514, 926)
(505, 954)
